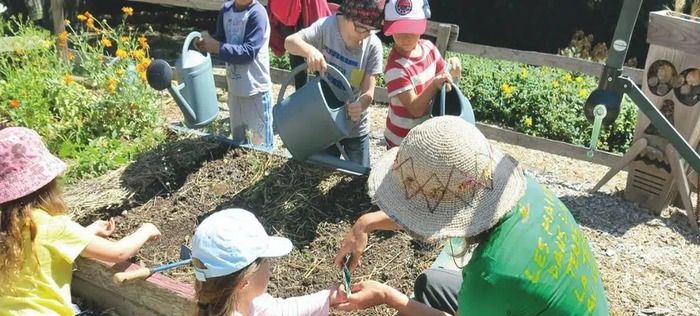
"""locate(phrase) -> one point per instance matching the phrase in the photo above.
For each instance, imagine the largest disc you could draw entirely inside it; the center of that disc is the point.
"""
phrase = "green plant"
(90, 102)
(539, 101)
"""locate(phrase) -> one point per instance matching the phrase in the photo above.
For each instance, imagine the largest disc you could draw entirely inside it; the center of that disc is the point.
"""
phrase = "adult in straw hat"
(446, 180)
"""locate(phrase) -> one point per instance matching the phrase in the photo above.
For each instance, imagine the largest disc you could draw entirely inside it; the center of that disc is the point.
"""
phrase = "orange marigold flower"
(82, 17)
(14, 103)
(111, 84)
(91, 23)
(63, 39)
(70, 56)
(68, 79)
(121, 53)
(106, 42)
(143, 42)
(124, 38)
(88, 14)
(128, 11)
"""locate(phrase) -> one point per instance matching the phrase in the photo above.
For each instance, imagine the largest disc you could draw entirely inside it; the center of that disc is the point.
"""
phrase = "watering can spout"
(182, 102)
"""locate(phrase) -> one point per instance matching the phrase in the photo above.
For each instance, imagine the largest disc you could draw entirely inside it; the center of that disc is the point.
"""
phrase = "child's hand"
(354, 111)
(442, 78)
(102, 228)
(207, 44)
(316, 61)
(455, 67)
(337, 296)
(150, 230)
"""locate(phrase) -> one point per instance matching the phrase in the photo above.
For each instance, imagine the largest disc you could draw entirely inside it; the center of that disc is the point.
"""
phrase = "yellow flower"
(143, 77)
(555, 84)
(527, 122)
(128, 11)
(143, 65)
(111, 85)
(567, 77)
(583, 93)
(120, 72)
(88, 15)
(579, 79)
(82, 17)
(70, 56)
(14, 103)
(90, 23)
(506, 89)
(523, 73)
(68, 79)
(143, 42)
(139, 54)
(121, 53)
(19, 51)
(106, 42)
(124, 38)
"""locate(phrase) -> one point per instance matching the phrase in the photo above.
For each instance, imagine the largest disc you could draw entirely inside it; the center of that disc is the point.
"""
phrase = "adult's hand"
(354, 243)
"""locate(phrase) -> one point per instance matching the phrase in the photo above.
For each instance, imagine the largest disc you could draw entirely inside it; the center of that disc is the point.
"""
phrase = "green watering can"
(196, 93)
(313, 118)
(452, 103)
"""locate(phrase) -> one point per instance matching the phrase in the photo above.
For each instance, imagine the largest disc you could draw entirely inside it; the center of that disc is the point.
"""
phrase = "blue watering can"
(452, 103)
(196, 93)
(313, 118)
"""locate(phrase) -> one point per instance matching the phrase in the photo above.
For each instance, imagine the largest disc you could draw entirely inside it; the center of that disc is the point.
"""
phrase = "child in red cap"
(38, 241)
(415, 70)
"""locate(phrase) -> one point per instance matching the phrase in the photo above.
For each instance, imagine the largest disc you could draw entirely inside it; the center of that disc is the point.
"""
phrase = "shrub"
(91, 105)
(540, 101)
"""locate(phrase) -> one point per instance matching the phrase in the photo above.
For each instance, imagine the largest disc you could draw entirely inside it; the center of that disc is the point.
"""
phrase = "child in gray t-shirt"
(347, 42)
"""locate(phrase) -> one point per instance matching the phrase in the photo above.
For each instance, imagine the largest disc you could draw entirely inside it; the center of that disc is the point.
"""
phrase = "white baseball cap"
(406, 16)
(229, 240)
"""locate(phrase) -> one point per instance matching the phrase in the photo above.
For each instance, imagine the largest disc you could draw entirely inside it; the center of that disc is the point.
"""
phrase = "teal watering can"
(452, 103)
(196, 93)
(313, 118)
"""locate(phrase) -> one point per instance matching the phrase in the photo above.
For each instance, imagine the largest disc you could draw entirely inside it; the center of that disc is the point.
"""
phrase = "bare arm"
(355, 241)
(117, 251)
(368, 294)
(295, 45)
(355, 109)
(419, 105)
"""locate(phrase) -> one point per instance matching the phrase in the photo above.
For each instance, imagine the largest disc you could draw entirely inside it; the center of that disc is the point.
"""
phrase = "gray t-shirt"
(354, 63)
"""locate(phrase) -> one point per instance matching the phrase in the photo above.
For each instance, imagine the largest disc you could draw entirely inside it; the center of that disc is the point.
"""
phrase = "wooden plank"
(547, 145)
(157, 295)
(539, 59)
(673, 30)
(443, 37)
(212, 5)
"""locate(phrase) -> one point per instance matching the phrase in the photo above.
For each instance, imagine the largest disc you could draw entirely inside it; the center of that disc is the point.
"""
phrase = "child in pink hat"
(415, 70)
(38, 240)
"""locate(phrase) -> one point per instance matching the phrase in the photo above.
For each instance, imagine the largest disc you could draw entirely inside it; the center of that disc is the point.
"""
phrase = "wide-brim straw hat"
(446, 180)
(26, 165)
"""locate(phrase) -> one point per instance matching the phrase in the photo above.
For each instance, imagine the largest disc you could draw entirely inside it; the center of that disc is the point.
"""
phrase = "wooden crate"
(672, 82)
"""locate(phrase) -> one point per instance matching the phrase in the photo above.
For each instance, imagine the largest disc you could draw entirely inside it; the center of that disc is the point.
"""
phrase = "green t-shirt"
(535, 262)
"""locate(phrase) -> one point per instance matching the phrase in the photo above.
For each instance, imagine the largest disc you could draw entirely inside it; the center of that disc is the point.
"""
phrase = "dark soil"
(180, 185)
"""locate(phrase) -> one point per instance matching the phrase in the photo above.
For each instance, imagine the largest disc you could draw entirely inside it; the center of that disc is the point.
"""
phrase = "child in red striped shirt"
(415, 70)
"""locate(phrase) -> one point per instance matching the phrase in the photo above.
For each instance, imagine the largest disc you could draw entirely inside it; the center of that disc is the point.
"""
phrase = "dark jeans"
(438, 288)
(357, 149)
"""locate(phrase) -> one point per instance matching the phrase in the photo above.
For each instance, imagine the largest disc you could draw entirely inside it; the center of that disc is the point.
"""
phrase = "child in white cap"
(415, 71)
(38, 240)
(230, 252)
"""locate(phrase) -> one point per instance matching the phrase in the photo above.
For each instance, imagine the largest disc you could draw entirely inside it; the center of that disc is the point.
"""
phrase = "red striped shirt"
(404, 73)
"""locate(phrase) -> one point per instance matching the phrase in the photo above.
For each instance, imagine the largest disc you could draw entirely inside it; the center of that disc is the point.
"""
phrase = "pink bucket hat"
(25, 163)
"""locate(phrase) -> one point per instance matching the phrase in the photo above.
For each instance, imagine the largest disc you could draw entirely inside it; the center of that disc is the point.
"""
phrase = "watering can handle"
(302, 67)
(188, 42)
(443, 92)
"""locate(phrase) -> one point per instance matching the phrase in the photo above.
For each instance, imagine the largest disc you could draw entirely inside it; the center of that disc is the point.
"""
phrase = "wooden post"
(58, 16)
(443, 37)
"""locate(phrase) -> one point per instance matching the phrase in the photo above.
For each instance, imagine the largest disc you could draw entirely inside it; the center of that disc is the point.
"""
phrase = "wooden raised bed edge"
(158, 295)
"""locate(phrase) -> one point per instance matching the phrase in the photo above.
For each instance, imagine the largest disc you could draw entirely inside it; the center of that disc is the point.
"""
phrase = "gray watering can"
(452, 103)
(196, 93)
(312, 118)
